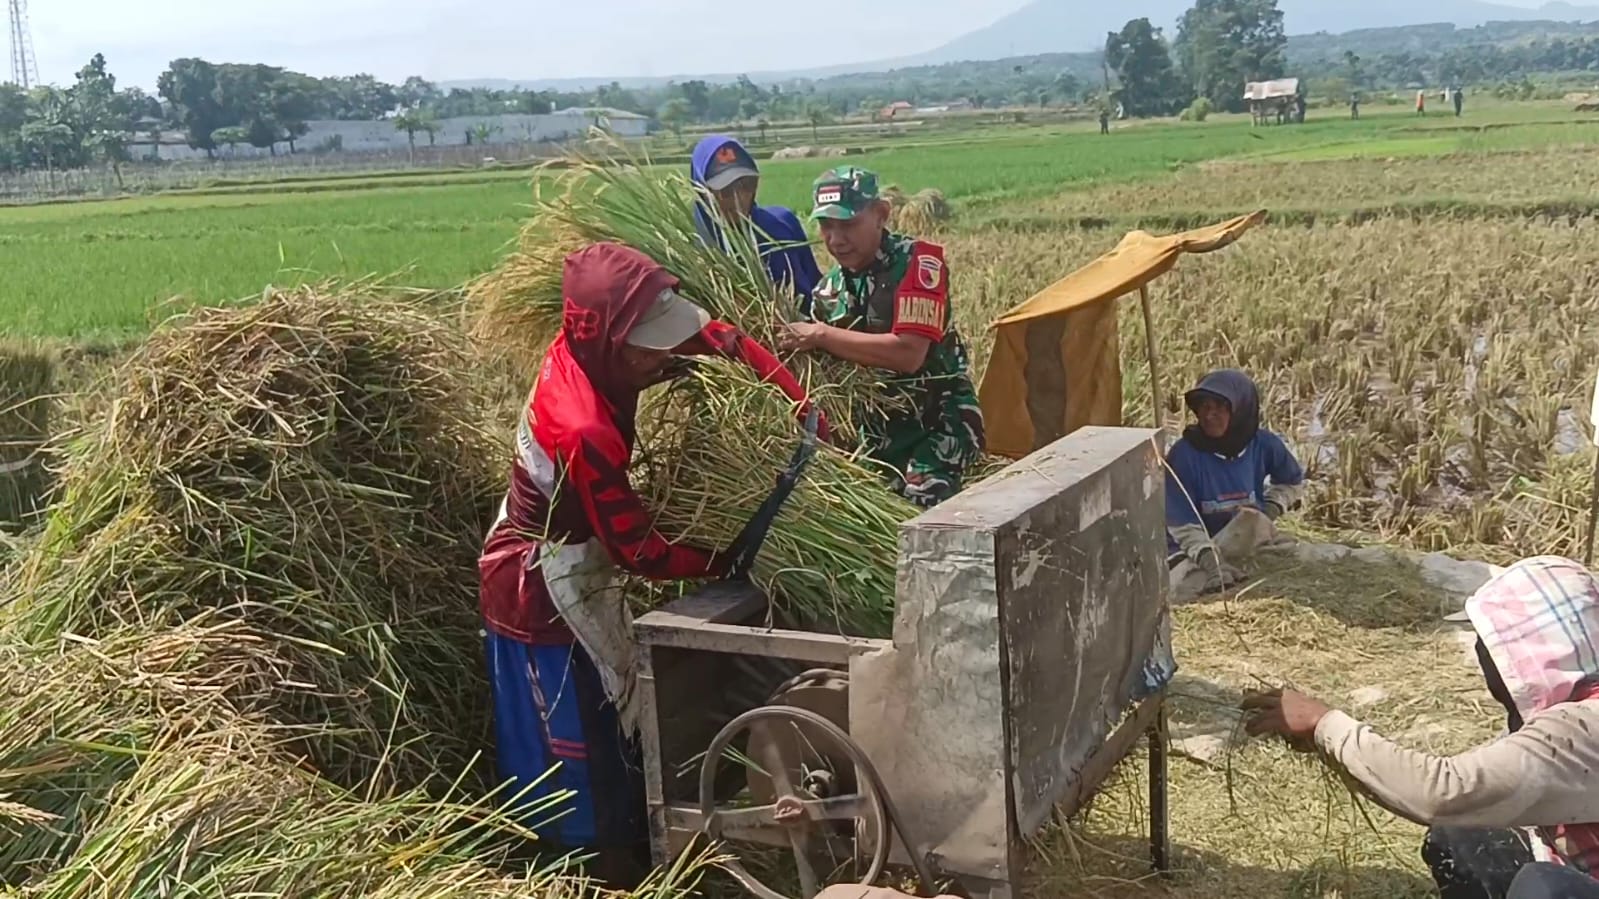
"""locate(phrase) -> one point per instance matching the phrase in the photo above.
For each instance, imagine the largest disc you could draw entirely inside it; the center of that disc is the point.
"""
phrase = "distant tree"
(1352, 70)
(292, 102)
(1221, 44)
(417, 92)
(48, 141)
(1067, 87)
(411, 122)
(483, 132)
(190, 85)
(230, 137)
(1142, 63)
(674, 114)
(817, 116)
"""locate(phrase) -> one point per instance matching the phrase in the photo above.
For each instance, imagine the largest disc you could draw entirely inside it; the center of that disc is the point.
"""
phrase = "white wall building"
(486, 131)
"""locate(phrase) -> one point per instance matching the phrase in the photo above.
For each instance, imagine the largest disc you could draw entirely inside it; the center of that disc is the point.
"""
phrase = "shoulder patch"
(929, 272)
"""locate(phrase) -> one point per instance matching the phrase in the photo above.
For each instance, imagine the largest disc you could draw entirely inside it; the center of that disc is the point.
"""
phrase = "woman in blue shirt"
(1224, 463)
(727, 171)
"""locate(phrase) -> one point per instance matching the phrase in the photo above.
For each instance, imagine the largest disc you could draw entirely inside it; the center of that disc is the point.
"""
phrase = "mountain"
(1055, 26)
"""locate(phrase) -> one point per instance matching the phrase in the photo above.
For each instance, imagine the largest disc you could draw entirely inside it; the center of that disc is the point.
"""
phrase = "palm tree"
(818, 116)
(410, 122)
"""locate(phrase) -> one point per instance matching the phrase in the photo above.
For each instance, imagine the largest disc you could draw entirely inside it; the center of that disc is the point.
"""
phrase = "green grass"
(97, 269)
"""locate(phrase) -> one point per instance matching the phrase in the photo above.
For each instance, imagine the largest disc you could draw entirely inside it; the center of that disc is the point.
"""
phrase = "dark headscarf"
(1238, 391)
(1497, 687)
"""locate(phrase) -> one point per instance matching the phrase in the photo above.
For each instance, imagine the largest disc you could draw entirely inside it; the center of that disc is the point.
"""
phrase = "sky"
(523, 39)
(450, 39)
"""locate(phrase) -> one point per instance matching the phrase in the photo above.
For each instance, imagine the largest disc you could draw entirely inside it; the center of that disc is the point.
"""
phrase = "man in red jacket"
(559, 645)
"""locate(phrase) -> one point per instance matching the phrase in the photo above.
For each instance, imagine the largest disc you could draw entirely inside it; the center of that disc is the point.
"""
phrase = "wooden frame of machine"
(1030, 653)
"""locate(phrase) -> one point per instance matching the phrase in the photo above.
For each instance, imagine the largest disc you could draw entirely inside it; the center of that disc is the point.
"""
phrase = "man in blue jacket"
(728, 172)
(1224, 466)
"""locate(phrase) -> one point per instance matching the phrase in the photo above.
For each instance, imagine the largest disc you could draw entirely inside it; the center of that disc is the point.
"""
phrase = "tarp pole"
(1154, 356)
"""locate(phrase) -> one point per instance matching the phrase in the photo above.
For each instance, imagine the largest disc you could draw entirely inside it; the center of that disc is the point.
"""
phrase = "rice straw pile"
(126, 772)
(711, 446)
(312, 468)
(923, 212)
(27, 378)
(242, 658)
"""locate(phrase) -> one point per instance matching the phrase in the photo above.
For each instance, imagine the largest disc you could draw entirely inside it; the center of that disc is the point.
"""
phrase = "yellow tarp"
(1055, 366)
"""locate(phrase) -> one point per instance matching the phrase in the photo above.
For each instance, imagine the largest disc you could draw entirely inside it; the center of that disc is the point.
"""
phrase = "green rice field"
(110, 268)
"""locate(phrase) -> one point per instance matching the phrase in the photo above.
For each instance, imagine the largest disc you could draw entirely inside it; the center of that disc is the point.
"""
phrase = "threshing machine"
(1030, 651)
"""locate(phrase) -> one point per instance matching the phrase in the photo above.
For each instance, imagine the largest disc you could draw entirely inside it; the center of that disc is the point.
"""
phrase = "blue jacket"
(1221, 477)
(781, 238)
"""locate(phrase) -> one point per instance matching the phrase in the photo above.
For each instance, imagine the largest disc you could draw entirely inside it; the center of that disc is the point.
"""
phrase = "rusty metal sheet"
(1028, 608)
(927, 709)
(1082, 584)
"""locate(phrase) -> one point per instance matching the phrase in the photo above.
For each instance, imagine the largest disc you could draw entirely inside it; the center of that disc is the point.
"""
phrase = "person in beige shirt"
(1516, 818)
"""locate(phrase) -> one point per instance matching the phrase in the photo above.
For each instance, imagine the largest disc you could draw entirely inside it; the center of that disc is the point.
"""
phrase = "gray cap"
(668, 323)
(729, 175)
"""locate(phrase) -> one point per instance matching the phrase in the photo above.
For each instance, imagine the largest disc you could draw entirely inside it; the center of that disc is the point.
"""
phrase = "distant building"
(373, 136)
(896, 108)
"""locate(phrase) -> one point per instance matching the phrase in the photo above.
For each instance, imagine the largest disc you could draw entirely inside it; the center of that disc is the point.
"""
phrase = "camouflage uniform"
(933, 429)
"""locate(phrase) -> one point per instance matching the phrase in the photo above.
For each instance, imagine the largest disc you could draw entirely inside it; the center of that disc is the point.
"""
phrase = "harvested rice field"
(247, 611)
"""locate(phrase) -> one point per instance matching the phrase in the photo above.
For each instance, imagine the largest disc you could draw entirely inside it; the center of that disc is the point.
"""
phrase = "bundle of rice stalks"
(312, 467)
(923, 212)
(79, 717)
(193, 819)
(516, 308)
(27, 379)
(709, 462)
(622, 198)
(710, 450)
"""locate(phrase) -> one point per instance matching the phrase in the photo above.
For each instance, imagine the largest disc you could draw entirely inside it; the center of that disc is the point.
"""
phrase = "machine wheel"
(815, 810)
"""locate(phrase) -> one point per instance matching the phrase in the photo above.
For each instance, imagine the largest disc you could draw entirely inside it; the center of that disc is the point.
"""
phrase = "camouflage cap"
(842, 193)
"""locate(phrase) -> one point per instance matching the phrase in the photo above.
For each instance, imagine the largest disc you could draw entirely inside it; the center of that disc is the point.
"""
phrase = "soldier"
(885, 305)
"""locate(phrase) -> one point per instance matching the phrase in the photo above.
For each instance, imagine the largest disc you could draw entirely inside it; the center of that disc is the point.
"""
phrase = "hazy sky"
(443, 40)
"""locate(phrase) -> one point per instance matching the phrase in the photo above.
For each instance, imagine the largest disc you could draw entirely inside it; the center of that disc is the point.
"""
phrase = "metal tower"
(24, 67)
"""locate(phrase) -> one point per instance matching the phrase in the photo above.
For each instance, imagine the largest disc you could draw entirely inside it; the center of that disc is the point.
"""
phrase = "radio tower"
(24, 67)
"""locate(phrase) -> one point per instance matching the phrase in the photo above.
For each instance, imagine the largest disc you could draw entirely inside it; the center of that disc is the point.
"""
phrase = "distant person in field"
(561, 661)
(1460, 101)
(1421, 102)
(1104, 120)
(1514, 818)
(1225, 469)
(885, 306)
(1354, 107)
(728, 172)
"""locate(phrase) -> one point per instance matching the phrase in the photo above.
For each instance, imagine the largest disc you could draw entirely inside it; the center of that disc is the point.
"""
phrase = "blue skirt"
(550, 709)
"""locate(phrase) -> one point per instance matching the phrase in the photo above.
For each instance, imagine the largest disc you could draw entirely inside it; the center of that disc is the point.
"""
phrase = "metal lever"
(749, 541)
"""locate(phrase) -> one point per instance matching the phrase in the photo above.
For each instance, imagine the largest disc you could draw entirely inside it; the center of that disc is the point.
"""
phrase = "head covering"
(667, 323)
(607, 288)
(779, 236)
(711, 157)
(1537, 626)
(729, 165)
(1538, 621)
(1238, 391)
(844, 192)
(719, 160)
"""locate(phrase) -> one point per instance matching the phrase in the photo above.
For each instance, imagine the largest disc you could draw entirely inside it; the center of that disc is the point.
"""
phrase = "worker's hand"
(677, 367)
(1218, 574)
(1284, 713)
(801, 337)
